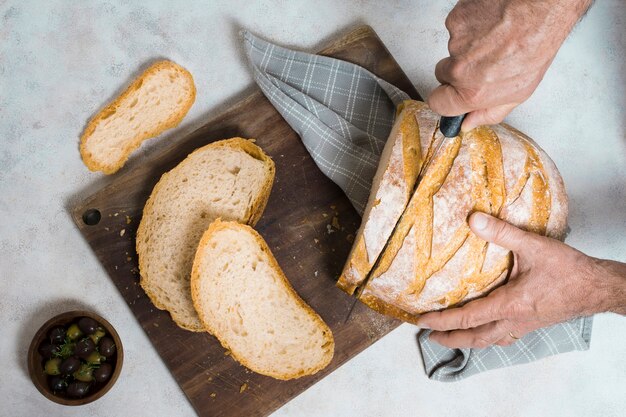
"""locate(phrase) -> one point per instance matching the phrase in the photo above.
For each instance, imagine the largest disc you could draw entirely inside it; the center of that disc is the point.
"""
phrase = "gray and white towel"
(343, 114)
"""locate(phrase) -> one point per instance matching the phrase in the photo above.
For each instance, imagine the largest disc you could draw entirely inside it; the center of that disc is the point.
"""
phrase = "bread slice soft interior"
(231, 179)
(157, 100)
(244, 299)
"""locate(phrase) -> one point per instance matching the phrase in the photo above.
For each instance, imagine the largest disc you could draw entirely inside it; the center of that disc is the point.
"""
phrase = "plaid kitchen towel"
(343, 114)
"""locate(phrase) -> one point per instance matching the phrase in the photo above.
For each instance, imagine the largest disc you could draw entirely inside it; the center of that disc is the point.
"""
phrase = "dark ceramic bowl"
(36, 361)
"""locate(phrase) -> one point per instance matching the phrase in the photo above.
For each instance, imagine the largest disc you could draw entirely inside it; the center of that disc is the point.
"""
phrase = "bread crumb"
(316, 240)
(128, 258)
(116, 267)
(324, 214)
(213, 395)
(335, 223)
(155, 324)
(226, 352)
(122, 232)
(315, 273)
(333, 207)
(243, 387)
(106, 228)
(115, 214)
(329, 229)
(128, 220)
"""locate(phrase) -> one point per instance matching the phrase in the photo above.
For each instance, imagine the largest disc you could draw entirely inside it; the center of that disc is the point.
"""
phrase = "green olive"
(73, 332)
(52, 366)
(84, 373)
(97, 335)
(95, 358)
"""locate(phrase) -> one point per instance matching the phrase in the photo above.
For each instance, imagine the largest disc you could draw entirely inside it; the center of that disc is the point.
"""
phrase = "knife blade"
(450, 127)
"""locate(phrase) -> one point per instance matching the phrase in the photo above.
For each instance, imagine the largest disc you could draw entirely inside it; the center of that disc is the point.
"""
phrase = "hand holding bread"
(550, 283)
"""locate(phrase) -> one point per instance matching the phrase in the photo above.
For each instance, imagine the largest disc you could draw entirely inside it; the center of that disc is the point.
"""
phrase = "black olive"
(87, 325)
(52, 366)
(48, 350)
(69, 365)
(57, 335)
(103, 373)
(57, 384)
(84, 348)
(78, 389)
(73, 332)
(107, 347)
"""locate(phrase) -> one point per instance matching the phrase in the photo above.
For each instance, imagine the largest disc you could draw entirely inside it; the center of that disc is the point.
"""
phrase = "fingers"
(489, 116)
(472, 314)
(479, 337)
(499, 232)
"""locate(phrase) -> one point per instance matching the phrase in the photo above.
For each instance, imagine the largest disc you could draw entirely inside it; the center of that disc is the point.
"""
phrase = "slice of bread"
(230, 179)
(245, 300)
(157, 100)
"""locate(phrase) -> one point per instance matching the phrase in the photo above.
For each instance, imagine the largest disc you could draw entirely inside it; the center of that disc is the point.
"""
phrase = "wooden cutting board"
(309, 224)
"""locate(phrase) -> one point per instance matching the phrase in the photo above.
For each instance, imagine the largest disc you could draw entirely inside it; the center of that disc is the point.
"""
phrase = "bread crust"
(215, 227)
(254, 213)
(172, 121)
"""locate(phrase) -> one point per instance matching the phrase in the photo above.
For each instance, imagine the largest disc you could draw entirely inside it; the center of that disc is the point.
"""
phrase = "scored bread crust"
(196, 277)
(395, 177)
(251, 217)
(518, 212)
(170, 122)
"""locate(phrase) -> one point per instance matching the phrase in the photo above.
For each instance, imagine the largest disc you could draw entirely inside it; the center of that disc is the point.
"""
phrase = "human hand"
(550, 282)
(499, 52)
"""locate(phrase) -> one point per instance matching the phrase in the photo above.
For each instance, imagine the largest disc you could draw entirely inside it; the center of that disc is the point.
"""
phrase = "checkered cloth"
(343, 114)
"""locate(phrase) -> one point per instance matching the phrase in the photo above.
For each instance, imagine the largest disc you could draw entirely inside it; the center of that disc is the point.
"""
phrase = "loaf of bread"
(231, 179)
(433, 260)
(244, 299)
(157, 100)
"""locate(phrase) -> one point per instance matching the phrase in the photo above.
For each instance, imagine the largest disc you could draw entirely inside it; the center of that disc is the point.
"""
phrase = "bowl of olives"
(75, 358)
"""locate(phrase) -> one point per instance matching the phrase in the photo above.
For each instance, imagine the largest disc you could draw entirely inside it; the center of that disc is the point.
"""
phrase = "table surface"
(59, 63)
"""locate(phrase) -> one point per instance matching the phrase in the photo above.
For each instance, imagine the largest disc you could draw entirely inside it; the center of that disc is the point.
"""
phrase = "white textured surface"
(59, 63)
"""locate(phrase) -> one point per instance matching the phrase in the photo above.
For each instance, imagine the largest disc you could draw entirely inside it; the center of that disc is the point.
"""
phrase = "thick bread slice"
(157, 100)
(231, 179)
(245, 300)
(392, 186)
(433, 260)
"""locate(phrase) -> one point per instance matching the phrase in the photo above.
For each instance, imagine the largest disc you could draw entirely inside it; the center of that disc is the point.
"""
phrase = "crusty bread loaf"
(157, 100)
(433, 260)
(230, 179)
(245, 300)
(392, 188)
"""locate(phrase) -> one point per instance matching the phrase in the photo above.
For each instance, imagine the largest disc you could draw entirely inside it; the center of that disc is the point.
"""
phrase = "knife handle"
(450, 126)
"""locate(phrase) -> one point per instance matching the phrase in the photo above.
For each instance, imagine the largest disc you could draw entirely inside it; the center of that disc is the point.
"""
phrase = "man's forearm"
(611, 282)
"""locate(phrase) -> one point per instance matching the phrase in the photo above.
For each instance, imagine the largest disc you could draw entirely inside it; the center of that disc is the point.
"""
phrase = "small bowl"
(35, 360)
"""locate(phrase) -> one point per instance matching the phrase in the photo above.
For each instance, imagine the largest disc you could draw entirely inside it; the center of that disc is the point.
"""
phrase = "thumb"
(498, 231)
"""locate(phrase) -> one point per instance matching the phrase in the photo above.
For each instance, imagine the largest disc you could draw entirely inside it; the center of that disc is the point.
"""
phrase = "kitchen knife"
(450, 127)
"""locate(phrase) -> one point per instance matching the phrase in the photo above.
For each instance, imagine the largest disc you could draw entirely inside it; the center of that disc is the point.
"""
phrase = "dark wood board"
(295, 224)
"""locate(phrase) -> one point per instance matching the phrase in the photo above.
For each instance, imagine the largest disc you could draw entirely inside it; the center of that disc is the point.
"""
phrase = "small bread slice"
(231, 179)
(157, 100)
(244, 299)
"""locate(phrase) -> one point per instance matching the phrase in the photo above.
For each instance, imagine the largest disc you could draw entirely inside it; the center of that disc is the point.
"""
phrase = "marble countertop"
(60, 61)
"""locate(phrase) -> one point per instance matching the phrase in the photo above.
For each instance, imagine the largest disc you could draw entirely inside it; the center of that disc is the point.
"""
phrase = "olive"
(87, 325)
(84, 348)
(73, 332)
(103, 372)
(69, 365)
(77, 389)
(57, 335)
(95, 358)
(52, 366)
(57, 384)
(84, 373)
(99, 333)
(107, 347)
(49, 350)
